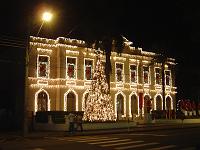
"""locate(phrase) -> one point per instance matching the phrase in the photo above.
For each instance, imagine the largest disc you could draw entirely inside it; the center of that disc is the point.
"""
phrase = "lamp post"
(46, 17)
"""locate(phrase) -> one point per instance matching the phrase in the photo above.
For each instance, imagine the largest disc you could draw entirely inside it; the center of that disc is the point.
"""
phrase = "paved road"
(183, 139)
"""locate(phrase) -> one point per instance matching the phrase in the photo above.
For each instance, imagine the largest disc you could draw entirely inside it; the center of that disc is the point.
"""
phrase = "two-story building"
(60, 73)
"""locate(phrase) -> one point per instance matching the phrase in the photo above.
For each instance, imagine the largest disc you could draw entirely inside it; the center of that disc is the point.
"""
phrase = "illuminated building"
(60, 74)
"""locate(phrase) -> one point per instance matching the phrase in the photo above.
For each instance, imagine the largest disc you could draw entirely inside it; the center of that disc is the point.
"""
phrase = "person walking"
(71, 118)
(79, 122)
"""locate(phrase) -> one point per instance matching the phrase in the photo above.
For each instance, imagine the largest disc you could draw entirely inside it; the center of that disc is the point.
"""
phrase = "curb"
(123, 130)
(146, 128)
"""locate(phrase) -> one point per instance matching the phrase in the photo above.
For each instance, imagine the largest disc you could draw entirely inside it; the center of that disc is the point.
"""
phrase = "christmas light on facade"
(99, 106)
(73, 67)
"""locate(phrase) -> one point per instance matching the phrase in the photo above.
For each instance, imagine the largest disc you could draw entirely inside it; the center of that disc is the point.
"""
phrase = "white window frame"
(47, 68)
(92, 69)
(170, 82)
(123, 78)
(135, 73)
(67, 77)
(148, 74)
(160, 75)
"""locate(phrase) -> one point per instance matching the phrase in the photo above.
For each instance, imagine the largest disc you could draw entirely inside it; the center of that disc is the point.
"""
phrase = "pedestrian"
(79, 122)
(71, 118)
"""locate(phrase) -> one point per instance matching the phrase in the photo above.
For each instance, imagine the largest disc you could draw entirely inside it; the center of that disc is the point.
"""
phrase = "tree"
(99, 106)
(108, 44)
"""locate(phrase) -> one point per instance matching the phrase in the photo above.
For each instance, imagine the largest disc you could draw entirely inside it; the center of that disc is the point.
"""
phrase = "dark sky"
(168, 25)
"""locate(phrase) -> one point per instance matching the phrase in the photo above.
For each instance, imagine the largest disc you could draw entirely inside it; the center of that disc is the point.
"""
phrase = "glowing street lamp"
(46, 17)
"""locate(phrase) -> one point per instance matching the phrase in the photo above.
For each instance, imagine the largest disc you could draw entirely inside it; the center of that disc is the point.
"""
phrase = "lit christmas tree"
(99, 106)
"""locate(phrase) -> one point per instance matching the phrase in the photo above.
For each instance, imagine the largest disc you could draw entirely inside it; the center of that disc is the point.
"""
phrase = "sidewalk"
(7, 136)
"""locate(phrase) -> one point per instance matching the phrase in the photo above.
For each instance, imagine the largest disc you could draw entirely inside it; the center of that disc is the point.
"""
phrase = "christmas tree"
(99, 106)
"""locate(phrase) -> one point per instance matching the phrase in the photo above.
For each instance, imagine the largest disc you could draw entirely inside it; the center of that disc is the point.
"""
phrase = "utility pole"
(26, 62)
(163, 82)
(46, 17)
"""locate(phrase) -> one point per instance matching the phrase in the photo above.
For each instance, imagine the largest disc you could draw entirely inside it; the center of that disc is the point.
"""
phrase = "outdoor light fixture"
(47, 16)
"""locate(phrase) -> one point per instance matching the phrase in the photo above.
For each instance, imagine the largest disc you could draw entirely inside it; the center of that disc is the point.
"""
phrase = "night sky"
(157, 26)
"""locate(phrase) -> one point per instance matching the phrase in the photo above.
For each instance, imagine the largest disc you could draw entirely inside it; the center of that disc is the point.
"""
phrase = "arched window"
(158, 103)
(42, 101)
(120, 104)
(71, 101)
(134, 104)
(146, 99)
(168, 103)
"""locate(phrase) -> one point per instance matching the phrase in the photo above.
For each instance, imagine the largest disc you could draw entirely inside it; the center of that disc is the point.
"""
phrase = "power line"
(9, 45)
(9, 61)
(12, 38)
(12, 43)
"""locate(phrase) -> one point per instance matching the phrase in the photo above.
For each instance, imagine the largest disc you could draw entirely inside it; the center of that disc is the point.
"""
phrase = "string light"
(72, 52)
(45, 47)
(43, 50)
(99, 106)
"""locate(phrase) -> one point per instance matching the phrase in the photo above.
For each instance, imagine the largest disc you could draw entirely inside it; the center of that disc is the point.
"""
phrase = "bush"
(58, 117)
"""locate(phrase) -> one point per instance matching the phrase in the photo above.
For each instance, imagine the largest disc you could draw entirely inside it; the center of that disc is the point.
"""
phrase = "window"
(71, 102)
(146, 75)
(120, 104)
(133, 73)
(71, 68)
(119, 75)
(158, 75)
(42, 101)
(88, 69)
(168, 103)
(167, 77)
(158, 103)
(43, 66)
(134, 105)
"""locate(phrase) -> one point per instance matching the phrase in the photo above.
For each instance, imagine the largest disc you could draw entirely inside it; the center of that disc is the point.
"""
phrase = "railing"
(58, 121)
(57, 117)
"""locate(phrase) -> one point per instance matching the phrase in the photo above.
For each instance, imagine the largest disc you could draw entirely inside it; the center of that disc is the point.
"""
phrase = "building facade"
(60, 75)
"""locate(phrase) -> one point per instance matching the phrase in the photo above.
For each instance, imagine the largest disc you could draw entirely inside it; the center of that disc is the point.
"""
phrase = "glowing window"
(119, 75)
(42, 101)
(133, 73)
(88, 69)
(134, 105)
(158, 75)
(146, 75)
(71, 68)
(71, 102)
(43, 66)
(120, 104)
(167, 78)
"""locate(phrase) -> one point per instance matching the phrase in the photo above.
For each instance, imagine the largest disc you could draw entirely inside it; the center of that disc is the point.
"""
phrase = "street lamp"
(46, 17)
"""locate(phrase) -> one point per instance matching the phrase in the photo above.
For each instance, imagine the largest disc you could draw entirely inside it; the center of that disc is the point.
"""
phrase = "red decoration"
(70, 71)
(157, 78)
(188, 105)
(183, 105)
(133, 76)
(193, 106)
(42, 68)
(88, 72)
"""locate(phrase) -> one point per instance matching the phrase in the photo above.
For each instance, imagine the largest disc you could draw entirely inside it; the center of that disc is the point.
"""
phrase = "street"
(183, 139)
